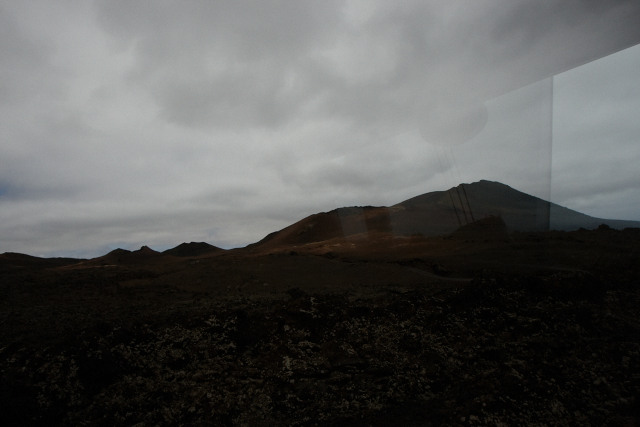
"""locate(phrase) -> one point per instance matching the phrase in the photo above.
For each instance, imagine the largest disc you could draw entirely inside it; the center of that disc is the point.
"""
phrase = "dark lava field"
(469, 329)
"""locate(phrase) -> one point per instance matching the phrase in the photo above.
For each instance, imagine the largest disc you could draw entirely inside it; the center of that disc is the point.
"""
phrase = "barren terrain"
(465, 329)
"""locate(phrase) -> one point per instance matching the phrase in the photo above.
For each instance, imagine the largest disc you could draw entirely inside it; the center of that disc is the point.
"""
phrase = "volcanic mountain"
(438, 213)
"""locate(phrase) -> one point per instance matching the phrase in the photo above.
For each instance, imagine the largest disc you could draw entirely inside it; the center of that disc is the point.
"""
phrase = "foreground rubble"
(533, 329)
(501, 350)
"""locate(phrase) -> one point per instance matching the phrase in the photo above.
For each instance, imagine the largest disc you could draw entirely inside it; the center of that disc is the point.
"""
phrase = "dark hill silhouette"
(192, 249)
(122, 256)
(18, 260)
(438, 213)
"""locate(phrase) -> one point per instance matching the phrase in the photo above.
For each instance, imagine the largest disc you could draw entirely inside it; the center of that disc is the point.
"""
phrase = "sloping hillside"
(438, 213)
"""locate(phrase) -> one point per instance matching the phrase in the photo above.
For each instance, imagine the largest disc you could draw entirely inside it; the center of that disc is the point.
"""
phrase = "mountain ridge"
(438, 213)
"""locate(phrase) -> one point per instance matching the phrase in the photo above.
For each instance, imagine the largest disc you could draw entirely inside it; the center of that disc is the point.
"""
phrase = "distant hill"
(146, 255)
(14, 260)
(192, 249)
(122, 256)
(439, 213)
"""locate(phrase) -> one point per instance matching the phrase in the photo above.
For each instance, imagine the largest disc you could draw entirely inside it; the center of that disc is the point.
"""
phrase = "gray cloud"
(128, 123)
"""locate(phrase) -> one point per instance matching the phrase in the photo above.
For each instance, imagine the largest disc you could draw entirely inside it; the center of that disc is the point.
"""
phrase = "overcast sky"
(129, 123)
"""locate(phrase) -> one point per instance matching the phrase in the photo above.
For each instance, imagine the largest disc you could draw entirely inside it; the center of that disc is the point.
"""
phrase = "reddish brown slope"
(339, 223)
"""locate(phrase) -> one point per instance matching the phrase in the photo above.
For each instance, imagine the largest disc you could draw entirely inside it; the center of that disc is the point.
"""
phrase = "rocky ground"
(492, 346)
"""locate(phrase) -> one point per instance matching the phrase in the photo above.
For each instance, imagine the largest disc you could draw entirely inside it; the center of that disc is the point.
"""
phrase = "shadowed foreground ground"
(529, 329)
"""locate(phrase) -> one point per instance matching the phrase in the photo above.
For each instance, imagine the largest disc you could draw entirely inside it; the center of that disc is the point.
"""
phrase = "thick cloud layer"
(127, 123)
